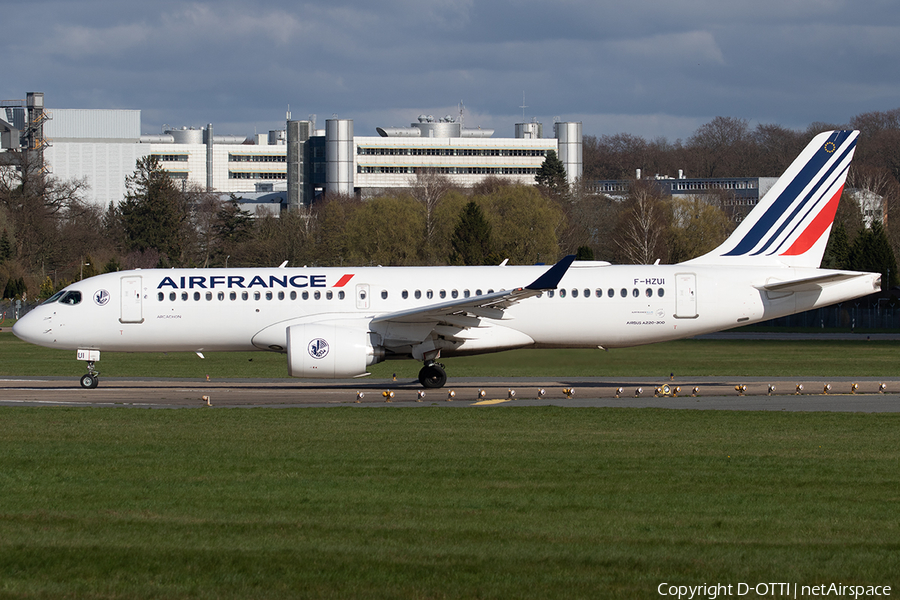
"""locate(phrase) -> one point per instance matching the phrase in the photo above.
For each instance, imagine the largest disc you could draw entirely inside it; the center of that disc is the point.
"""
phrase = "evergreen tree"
(472, 242)
(552, 174)
(5, 246)
(153, 213)
(837, 252)
(584, 253)
(872, 252)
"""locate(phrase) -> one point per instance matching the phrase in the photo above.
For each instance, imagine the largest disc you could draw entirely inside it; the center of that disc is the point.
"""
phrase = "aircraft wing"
(464, 313)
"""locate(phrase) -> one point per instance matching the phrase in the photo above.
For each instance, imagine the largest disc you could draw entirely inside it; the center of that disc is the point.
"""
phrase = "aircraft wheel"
(432, 376)
(89, 381)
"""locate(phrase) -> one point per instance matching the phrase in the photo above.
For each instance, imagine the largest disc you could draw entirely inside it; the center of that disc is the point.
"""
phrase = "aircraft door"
(132, 309)
(362, 296)
(685, 296)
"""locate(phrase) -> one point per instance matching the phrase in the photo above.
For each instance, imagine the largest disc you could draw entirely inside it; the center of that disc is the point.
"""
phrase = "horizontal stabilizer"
(809, 284)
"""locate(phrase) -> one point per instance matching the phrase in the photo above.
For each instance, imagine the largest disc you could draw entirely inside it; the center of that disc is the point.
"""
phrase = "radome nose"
(27, 328)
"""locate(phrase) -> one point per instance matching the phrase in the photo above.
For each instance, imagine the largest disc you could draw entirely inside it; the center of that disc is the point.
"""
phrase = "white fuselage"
(595, 304)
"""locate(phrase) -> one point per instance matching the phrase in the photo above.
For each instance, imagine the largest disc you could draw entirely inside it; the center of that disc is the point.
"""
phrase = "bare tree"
(428, 189)
(642, 229)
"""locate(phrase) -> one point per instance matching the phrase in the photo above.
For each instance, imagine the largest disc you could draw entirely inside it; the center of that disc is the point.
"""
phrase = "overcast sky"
(646, 67)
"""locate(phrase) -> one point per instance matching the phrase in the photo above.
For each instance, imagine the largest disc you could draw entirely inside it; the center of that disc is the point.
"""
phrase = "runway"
(711, 393)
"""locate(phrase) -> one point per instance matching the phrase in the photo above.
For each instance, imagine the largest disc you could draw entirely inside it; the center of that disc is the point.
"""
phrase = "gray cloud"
(648, 68)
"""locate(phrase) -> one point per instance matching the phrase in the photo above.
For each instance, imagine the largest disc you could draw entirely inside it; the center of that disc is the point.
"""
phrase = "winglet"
(550, 279)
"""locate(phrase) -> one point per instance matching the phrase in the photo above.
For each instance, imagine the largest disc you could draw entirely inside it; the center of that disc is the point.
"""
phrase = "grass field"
(685, 357)
(441, 503)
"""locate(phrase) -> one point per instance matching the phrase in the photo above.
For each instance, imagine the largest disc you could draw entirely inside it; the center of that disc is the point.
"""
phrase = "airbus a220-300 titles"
(336, 322)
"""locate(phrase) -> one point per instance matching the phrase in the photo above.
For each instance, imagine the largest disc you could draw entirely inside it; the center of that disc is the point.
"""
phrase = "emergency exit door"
(132, 306)
(685, 296)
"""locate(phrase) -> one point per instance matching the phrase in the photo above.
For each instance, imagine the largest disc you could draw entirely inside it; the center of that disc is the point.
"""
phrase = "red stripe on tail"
(815, 229)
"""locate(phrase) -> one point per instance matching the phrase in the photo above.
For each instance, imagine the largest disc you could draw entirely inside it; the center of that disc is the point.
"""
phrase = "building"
(290, 167)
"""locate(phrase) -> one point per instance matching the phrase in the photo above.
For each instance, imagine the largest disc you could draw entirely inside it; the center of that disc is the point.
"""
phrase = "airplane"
(333, 323)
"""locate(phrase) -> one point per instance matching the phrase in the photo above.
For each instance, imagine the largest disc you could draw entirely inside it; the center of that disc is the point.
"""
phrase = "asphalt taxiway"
(697, 393)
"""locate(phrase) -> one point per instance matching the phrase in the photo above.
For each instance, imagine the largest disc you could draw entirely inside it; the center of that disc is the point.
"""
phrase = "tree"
(642, 227)
(153, 211)
(472, 240)
(697, 227)
(552, 174)
(837, 252)
(428, 189)
(872, 252)
(385, 231)
(231, 228)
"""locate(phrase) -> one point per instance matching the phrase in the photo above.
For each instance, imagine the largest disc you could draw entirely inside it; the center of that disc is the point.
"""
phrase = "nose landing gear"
(90, 379)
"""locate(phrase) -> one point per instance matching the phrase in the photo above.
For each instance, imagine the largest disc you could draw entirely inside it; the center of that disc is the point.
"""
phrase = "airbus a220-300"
(336, 322)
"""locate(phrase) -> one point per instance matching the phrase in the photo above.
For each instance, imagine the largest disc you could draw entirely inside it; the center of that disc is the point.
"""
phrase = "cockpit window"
(54, 297)
(71, 297)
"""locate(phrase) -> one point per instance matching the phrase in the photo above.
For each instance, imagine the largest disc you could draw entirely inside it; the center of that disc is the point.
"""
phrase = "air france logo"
(101, 297)
(318, 348)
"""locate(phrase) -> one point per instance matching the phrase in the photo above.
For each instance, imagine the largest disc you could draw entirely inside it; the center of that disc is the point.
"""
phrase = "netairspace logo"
(772, 590)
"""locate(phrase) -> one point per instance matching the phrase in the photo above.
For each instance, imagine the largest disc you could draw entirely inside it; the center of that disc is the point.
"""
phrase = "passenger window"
(293, 295)
(429, 294)
(418, 294)
(184, 295)
(466, 293)
(587, 293)
(160, 296)
(232, 295)
(649, 293)
(256, 295)
(172, 296)
(635, 292)
(442, 293)
(599, 293)
(341, 295)
(306, 295)
(660, 292)
(610, 292)
(404, 294)
(384, 294)
(268, 295)
(574, 292)
(624, 293)
(281, 295)
(221, 295)
(317, 295)
(477, 292)
(550, 293)
(490, 291)
(562, 293)
(329, 295)
(208, 296)
(196, 296)
(245, 295)
(454, 294)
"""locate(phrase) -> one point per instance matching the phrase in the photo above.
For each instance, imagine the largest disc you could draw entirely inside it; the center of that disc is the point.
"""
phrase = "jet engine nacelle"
(329, 351)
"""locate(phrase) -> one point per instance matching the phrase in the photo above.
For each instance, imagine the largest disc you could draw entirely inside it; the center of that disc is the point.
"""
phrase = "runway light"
(740, 389)
(638, 392)
(671, 376)
(695, 392)
(854, 387)
(619, 391)
(827, 388)
(568, 392)
(799, 389)
(676, 390)
(419, 395)
(882, 387)
(657, 391)
(542, 392)
(510, 394)
(481, 394)
(771, 389)
(206, 399)
(395, 377)
(451, 395)
(388, 394)
(360, 396)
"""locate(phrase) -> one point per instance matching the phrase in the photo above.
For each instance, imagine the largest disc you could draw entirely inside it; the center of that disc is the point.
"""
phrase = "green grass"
(441, 502)
(685, 357)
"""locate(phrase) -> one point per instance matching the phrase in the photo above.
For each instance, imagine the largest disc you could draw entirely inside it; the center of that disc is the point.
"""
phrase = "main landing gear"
(90, 379)
(432, 375)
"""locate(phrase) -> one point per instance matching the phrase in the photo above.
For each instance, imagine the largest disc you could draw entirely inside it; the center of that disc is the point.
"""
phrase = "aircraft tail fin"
(792, 222)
